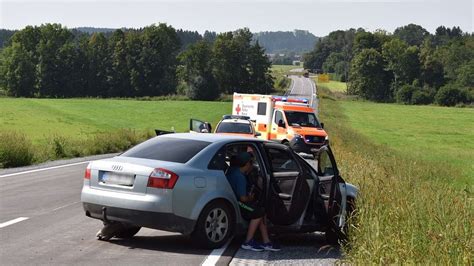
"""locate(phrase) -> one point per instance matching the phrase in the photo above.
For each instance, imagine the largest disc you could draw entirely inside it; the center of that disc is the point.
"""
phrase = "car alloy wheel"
(216, 225)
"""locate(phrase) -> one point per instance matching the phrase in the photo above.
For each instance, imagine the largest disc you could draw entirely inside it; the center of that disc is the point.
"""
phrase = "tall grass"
(406, 211)
(17, 150)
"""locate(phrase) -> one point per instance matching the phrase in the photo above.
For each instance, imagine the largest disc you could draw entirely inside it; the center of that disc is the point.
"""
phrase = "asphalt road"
(42, 222)
(301, 87)
(57, 232)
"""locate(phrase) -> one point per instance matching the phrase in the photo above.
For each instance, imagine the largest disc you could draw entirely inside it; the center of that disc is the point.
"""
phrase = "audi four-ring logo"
(117, 167)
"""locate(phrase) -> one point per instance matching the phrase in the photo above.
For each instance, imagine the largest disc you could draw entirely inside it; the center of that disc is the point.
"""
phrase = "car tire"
(215, 225)
(128, 232)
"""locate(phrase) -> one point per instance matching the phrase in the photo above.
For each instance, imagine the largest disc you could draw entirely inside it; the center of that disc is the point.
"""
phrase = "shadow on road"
(168, 243)
(304, 249)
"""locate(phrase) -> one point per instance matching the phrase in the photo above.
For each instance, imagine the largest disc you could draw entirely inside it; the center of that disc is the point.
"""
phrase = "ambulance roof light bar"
(243, 117)
(289, 100)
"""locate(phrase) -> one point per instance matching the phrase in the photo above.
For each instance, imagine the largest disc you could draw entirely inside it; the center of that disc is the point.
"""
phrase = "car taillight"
(162, 178)
(87, 174)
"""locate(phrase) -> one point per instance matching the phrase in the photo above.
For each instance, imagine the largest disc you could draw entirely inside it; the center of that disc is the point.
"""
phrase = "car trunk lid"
(125, 174)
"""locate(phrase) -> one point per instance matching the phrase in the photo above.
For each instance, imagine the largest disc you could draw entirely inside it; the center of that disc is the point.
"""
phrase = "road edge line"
(14, 221)
(43, 169)
(213, 258)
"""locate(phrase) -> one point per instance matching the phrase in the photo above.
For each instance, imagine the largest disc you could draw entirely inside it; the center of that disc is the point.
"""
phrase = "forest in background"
(410, 66)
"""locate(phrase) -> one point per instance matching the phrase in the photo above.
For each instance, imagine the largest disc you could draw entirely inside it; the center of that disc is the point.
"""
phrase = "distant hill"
(5, 36)
(297, 41)
(91, 30)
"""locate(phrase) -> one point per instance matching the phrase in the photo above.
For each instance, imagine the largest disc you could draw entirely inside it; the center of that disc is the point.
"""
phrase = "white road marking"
(14, 221)
(215, 255)
(64, 206)
(43, 169)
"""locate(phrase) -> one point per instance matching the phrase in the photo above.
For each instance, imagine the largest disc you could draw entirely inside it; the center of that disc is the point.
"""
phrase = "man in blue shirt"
(241, 166)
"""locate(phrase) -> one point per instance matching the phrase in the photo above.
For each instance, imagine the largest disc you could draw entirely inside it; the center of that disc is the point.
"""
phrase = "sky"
(317, 16)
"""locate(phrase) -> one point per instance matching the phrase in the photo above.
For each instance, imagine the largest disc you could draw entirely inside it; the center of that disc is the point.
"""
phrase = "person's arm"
(247, 198)
(242, 191)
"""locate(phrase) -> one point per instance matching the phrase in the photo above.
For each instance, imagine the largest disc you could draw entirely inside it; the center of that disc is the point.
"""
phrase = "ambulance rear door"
(258, 107)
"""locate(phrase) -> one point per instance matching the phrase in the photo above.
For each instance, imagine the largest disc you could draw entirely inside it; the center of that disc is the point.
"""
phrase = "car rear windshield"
(234, 128)
(167, 149)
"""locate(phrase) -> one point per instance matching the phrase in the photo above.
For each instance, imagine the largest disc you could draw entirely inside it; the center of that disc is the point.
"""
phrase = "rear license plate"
(117, 179)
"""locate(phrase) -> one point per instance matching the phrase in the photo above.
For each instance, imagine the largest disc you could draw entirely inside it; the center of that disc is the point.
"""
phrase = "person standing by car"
(240, 167)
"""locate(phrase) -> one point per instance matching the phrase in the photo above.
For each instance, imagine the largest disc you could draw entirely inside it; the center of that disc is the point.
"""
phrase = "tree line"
(410, 66)
(53, 61)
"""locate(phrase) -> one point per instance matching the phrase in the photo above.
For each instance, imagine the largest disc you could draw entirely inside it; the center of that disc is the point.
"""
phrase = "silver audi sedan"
(177, 183)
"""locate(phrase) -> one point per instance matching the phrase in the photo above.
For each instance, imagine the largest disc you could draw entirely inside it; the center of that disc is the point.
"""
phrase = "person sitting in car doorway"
(241, 166)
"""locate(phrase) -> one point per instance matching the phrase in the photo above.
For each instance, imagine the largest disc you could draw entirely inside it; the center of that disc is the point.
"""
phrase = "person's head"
(245, 161)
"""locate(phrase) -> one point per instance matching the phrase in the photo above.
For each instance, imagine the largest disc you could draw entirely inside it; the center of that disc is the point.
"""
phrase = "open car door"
(332, 189)
(288, 190)
(199, 126)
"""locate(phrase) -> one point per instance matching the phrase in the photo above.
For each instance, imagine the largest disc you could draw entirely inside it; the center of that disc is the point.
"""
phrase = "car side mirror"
(208, 127)
(258, 134)
(281, 123)
(322, 125)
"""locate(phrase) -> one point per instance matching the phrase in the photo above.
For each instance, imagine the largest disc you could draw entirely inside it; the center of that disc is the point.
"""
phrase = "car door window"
(282, 161)
(308, 171)
(218, 161)
(326, 168)
(199, 126)
(279, 118)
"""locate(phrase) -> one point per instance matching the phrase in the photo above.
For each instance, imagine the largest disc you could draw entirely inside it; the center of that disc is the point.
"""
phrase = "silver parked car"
(177, 183)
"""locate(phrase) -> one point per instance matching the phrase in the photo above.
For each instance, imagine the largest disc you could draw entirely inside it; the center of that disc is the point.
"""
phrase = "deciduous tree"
(368, 76)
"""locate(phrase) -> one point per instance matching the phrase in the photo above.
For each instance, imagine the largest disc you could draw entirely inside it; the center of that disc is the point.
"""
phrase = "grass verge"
(16, 149)
(406, 211)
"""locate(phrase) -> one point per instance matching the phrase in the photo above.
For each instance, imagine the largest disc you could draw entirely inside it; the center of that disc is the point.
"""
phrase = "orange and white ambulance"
(287, 120)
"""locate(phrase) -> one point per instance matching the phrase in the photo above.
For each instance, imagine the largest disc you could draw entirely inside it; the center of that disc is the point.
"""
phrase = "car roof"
(210, 137)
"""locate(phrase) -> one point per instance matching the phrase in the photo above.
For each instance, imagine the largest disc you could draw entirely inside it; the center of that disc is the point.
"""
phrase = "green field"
(38, 130)
(335, 86)
(81, 118)
(283, 69)
(439, 135)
